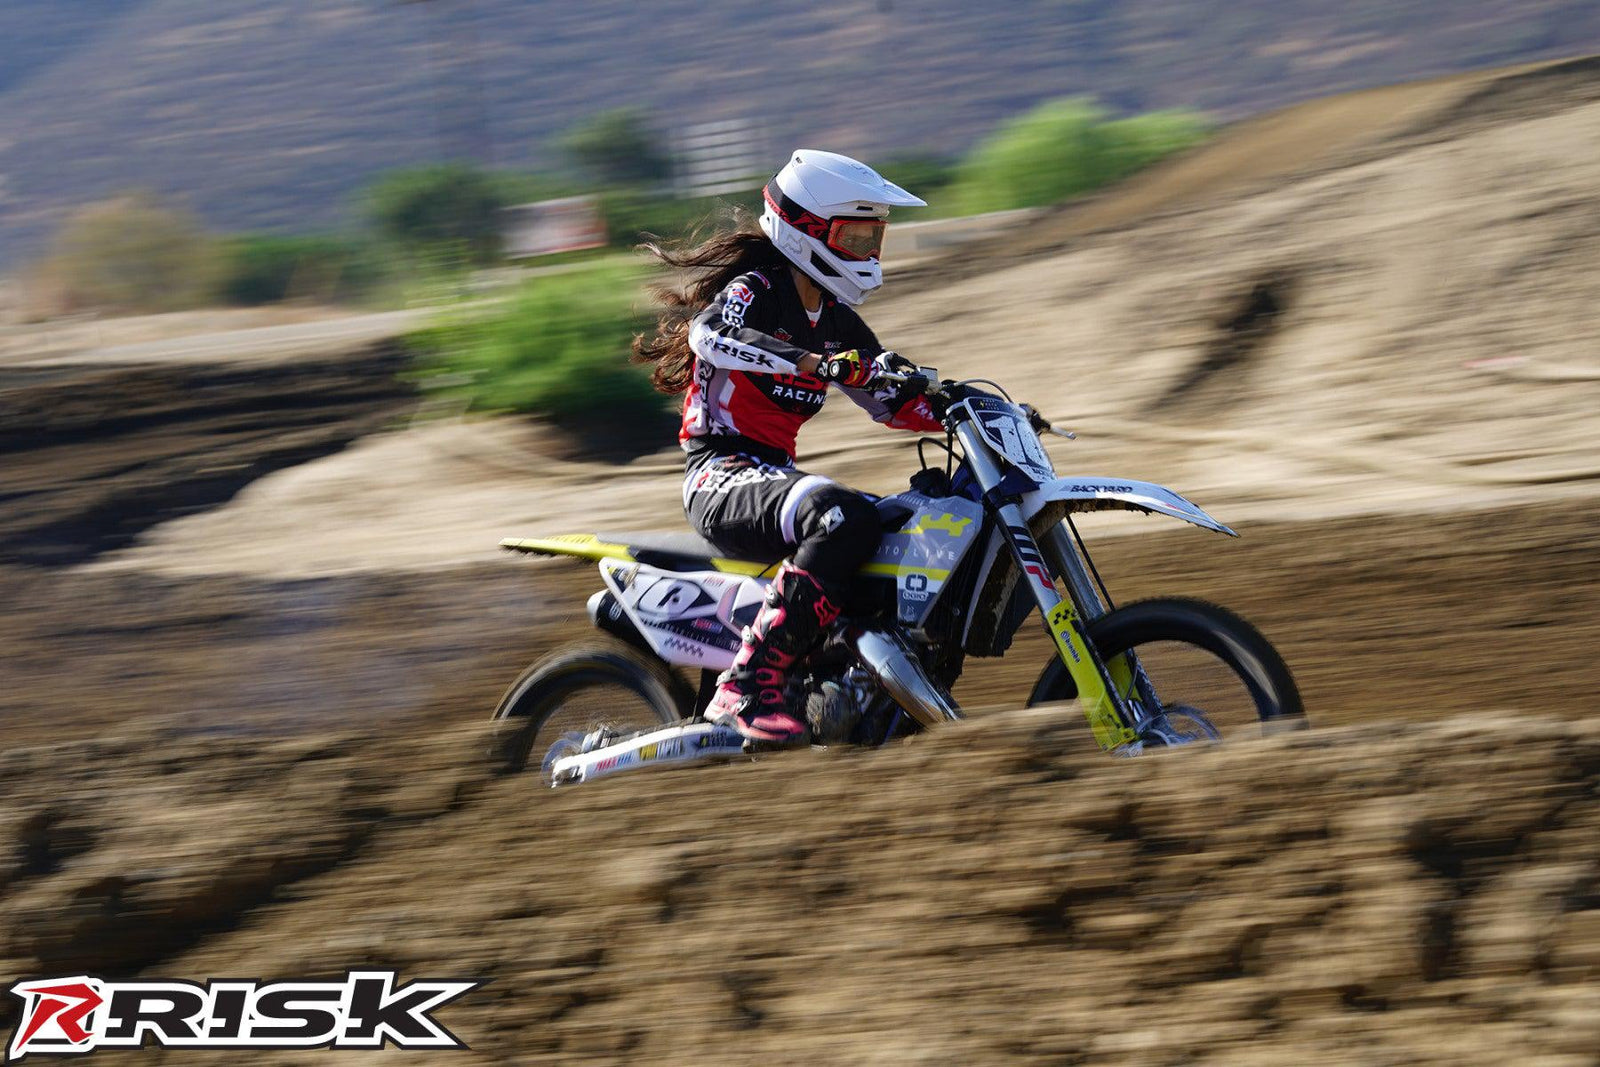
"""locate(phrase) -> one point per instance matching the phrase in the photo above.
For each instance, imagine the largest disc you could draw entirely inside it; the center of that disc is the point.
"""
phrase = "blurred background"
(304, 304)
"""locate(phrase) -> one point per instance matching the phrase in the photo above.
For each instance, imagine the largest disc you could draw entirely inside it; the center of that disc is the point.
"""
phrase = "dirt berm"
(989, 893)
(92, 456)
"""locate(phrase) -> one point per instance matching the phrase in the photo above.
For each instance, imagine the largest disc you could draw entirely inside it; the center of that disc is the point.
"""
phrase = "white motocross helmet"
(827, 213)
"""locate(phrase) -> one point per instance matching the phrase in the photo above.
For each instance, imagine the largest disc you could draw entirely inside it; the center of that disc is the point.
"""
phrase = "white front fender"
(1100, 494)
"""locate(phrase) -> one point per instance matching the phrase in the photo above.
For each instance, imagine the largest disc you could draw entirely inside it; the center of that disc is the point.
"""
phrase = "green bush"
(558, 348)
(449, 209)
(268, 269)
(1066, 148)
(1134, 143)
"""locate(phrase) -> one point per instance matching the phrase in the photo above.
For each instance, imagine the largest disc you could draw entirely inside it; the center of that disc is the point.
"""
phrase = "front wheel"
(578, 690)
(1214, 674)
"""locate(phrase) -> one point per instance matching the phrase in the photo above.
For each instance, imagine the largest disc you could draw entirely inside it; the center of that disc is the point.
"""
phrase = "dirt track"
(1419, 886)
(990, 893)
(1415, 617)
(250, 741)
(90, 459)
(240, 775)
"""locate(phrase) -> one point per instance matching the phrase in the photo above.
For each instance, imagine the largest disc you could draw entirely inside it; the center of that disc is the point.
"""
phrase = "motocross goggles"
(857, 238)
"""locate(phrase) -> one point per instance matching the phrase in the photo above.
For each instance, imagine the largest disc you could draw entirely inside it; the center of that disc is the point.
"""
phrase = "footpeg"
(598, 738)
(754, 747)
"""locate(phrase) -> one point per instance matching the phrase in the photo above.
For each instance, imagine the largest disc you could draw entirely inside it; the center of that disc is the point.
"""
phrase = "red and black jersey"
(746, 382)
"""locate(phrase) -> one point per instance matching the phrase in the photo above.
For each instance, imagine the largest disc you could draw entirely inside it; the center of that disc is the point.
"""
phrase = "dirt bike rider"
(762, 329)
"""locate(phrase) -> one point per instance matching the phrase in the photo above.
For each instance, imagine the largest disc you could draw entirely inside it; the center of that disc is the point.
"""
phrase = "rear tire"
(548, 686)
(1241, 648)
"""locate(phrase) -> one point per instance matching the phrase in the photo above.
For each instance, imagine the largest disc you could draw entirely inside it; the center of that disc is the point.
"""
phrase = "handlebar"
(901, 379)
(924, 381)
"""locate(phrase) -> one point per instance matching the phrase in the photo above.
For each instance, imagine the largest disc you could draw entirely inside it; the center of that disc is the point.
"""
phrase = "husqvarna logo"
(364, 1009)
(947, 522)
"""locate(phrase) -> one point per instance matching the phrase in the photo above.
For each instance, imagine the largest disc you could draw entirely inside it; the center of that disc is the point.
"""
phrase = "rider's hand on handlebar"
(898, 370)
(848, 369)
(895, 363)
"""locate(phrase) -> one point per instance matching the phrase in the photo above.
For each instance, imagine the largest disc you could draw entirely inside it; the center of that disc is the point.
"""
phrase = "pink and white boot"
(752, 695)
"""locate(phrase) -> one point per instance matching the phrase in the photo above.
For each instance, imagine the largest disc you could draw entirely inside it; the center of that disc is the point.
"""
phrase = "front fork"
(1126, 670)
(1113, 693)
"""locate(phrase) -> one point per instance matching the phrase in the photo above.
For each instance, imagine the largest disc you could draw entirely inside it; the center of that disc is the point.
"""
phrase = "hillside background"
(270, 114)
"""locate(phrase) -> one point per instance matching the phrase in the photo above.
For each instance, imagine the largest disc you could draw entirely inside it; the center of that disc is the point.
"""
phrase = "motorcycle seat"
(676, 551)
(688, 551)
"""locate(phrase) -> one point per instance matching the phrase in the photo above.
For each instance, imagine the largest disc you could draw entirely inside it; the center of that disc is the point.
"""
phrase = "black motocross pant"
(751, 509)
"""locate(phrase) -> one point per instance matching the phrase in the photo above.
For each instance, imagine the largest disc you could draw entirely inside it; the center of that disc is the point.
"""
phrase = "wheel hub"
(1177, 725)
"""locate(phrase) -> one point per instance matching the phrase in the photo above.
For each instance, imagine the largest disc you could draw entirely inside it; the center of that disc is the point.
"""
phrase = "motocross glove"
(894, 361)
(847, 368)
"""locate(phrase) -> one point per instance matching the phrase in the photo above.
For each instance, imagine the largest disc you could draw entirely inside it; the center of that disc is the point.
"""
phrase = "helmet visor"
(857, 238)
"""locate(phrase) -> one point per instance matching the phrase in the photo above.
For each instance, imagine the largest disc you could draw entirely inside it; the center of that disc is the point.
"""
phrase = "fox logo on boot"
(74, 1016)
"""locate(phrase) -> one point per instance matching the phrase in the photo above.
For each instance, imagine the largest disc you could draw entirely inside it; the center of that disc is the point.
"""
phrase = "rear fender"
(689, 618)
(1117, 494)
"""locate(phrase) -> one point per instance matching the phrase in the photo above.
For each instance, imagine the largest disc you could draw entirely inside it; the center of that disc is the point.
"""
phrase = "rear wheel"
(1214, 674)
(578, 690)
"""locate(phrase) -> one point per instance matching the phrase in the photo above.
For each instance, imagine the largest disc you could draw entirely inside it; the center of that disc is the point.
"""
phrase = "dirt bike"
(968, 553)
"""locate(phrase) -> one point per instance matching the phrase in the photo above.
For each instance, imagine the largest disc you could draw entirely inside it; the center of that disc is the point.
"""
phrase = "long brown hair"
(709, 265)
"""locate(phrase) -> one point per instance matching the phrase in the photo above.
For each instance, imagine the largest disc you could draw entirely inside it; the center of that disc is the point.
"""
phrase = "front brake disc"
(1180, 724)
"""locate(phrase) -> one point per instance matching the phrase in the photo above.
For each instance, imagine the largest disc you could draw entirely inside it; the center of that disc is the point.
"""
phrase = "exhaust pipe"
(895, 666)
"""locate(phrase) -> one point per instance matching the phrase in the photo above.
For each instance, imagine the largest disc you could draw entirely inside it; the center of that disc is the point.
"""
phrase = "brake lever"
(923, 376)
(1041, 424)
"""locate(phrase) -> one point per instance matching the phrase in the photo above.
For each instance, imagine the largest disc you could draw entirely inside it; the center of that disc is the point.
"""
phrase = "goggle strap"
(797, 216)
(807, 223)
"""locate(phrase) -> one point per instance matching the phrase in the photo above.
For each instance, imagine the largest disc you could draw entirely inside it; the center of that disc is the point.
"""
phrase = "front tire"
(1175, 639)
(581, 688)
